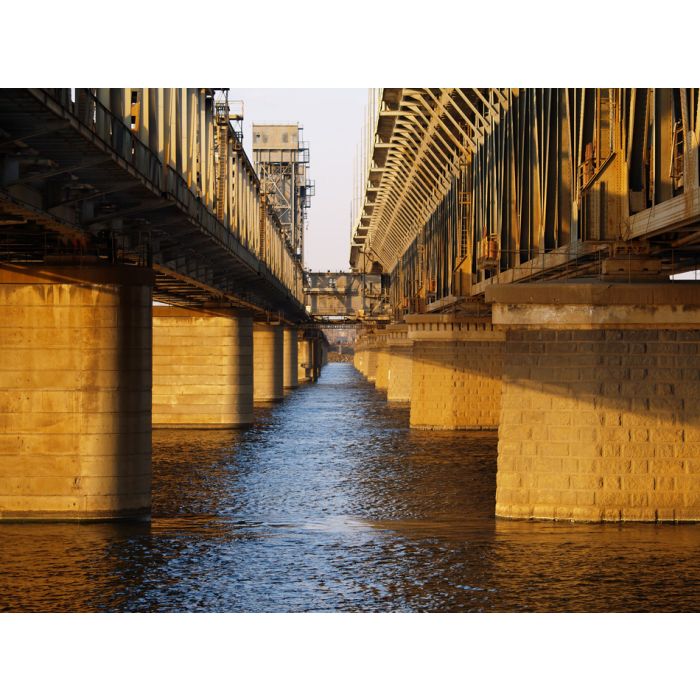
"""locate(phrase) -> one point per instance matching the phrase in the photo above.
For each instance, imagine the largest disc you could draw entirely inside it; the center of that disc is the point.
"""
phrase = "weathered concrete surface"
(202, 368)
(370, 365)
(268, 362)
(305, 359)
(596, 305)
(290, 379)
(400, 373)
(601, 423)
(381, 376)
(456, 371)
(75, 392)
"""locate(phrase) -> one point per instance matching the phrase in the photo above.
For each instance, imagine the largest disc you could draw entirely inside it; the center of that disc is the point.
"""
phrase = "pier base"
(456, 375)
(400, 359)
(290, 379)
(202, 368)
(600, 413)
(268, 362)
(305, 360)
(75, 392)
(370, 364)
(381, 377)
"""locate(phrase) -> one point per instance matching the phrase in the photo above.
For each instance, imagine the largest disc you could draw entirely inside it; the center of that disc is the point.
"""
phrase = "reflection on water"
(328, 503)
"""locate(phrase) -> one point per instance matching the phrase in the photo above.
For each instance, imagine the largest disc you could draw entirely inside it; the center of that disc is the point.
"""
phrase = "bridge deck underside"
(470, 187)
(66, 192)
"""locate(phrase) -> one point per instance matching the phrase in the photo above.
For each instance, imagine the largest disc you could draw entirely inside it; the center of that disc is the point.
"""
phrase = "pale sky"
(333, 120)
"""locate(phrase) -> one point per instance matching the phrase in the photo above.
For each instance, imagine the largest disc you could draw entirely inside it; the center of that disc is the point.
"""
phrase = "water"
(331, 503)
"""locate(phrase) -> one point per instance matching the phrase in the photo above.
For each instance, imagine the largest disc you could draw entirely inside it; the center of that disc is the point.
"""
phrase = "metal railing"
(244, 217)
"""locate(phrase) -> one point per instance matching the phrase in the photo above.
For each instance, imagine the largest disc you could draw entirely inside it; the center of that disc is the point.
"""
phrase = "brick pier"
(600, 415)
(457, 366)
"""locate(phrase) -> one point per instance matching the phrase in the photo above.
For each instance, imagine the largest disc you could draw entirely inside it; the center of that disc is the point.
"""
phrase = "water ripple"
(331, 503)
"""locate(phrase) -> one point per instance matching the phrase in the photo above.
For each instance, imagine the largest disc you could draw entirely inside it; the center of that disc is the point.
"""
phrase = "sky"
(333, 120)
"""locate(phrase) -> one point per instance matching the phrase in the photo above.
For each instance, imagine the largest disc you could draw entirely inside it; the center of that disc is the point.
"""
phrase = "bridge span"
(111, 199)
(533, 239)
(341, 298)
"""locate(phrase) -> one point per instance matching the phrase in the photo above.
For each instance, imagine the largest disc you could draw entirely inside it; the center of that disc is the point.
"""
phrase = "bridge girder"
(143, 176)
(467, 185)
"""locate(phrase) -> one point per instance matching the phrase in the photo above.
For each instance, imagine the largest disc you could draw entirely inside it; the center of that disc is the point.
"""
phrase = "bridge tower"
(281, 159)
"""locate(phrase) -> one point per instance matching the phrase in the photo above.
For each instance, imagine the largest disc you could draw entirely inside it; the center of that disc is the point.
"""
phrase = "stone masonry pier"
(291, 358)
(202, 368)
(456, 376)
(600, 416)
(381, 375)
(399, 350)
(268, 361)
(75, 392)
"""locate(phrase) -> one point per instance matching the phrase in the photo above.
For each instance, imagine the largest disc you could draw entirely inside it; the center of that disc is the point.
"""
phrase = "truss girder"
(433, 131)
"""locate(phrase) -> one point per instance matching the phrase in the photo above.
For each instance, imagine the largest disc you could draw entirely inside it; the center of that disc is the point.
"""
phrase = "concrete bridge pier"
(381, 376)
(268, 362)
(358, 357)
(75, 392)
(600, 415)
(370, 364)
(313, 355)
(318, 355)
(305, 359)
(323, 350)
(399, 351)
(291, 358)
(202, 368)
(456, 375)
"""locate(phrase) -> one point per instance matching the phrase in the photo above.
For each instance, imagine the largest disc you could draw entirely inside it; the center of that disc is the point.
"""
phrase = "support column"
(304, 358)
(399, 350)
(371, 358)
(359, 355)
(202, 368)
(457, 367)
(291, 360)
(268, 361)
(75, 392)
(601, 402)
(315, 359)
(381, 377)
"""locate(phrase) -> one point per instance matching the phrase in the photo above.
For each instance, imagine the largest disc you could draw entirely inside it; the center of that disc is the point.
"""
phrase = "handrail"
(247, 212)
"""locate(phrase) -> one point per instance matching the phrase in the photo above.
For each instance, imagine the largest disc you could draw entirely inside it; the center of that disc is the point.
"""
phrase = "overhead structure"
(154, 177)
(468, 186)
(281, 160)
(111, 199)
(346, 297)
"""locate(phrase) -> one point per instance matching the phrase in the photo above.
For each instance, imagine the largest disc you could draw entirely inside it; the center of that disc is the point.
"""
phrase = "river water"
(331, 503)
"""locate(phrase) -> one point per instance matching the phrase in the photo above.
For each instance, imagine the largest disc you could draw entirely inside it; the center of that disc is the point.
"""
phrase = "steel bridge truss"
(342, 298)
(472, 185)
(152, 177)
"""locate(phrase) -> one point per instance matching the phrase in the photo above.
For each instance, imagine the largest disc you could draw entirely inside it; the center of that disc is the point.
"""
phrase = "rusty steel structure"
(344, 297)
(467, 187)
(149, 177)
(281, 160)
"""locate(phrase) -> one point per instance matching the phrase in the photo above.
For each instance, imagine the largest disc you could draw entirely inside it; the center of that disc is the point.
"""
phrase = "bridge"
(334, 298)
(536, 241)
(517, 264)
(111, 200)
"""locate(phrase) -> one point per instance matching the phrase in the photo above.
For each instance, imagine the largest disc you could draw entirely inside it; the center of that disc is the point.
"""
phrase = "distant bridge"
(345, 297)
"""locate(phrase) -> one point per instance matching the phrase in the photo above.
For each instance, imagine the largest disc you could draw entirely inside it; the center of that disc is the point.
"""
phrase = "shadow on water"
(330, 502)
